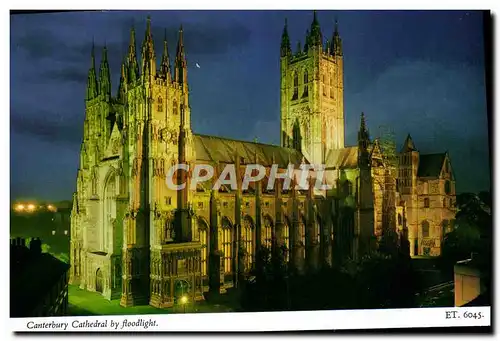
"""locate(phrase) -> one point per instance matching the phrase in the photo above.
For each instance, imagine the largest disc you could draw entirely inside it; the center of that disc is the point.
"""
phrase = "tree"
(472, 233)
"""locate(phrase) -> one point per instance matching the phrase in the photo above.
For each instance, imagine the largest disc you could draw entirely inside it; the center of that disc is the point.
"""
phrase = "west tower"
(312, 93)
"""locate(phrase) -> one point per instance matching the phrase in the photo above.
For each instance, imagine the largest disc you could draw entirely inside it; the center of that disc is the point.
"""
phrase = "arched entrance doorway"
(98, 281)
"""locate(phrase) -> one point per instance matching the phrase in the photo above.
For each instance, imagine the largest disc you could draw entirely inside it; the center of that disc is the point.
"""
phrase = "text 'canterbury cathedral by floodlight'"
(136, 239)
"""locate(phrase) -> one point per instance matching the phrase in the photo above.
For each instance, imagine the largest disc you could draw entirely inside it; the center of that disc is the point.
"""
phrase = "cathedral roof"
(343, 158)
(219, 149)
(430, 165)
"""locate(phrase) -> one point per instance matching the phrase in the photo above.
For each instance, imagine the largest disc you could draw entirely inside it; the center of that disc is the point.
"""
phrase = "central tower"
(312, 94)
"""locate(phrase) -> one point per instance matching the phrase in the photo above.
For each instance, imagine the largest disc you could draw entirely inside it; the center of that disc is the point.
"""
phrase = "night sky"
(419, 72)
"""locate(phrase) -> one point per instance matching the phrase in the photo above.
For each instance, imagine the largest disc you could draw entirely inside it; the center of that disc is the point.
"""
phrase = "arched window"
(400, 219)
(267, 232)
(110, 212)
(295, 85)
(302, 235)
(426, 203)
(168, 231)
(247, 237)
(175, 108)
(425, 229)
(306, 84)
(203, 231)
(160, 104)
(324, 85)
(286, 239)
(447, 187)
(331, 87)
(226, 243)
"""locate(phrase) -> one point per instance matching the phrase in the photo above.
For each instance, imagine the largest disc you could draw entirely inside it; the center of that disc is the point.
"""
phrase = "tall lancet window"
(306, 84)
(302, 235)
(109, 212)
(203, 231)
(286, 239)
(331, 87)
(247, 237)
(226, 243)
(295, 85)
(267, 232)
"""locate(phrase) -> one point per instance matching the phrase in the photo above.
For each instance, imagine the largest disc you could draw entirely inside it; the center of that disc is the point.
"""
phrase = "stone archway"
(99, 281)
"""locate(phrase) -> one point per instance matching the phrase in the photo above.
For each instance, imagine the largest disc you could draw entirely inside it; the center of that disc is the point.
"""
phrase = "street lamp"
(184, 301)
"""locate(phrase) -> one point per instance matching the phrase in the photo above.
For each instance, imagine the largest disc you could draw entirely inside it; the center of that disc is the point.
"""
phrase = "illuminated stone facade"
(134, 238)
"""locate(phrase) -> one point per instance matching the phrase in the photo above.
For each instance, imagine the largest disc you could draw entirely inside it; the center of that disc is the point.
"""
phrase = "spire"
(122, 88)
(148, 51)
(307, 42)
(336, 44)
(180, 60)
(363, 143)
(363, 135)
(165, 60)
(133, 67)
(104, 74)
(408, 145)
(299, 47)
(286, 49)
(316, 38)
(92, 90)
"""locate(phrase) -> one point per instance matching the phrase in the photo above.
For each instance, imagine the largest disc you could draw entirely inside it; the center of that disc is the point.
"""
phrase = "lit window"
(247, 239)
(267, 233)
(302, 236)
(203, 230)
(226, 243)
(286, 240)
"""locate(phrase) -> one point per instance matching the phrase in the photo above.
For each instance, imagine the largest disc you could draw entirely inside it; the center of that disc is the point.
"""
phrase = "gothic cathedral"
(135, 239)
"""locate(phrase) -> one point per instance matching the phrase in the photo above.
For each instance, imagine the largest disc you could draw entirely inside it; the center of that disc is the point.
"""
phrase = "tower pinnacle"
(286, 49)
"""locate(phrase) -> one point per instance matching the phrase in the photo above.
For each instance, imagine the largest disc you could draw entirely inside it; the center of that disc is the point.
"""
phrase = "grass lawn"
(84, 303)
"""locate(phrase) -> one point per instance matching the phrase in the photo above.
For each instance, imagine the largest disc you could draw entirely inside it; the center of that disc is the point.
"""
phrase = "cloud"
(44, 127)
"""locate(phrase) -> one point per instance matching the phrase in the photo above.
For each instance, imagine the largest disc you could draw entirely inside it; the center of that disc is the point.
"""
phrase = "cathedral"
(136, 239)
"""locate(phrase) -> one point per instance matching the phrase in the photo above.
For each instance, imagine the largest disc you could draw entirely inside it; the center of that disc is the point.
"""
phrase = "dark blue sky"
(420, 72)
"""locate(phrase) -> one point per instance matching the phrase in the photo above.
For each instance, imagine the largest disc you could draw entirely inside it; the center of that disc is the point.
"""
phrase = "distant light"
(66, 232)
(51, 208)
(53, 232)
(20, 207)
(31, 207)
(184, 299)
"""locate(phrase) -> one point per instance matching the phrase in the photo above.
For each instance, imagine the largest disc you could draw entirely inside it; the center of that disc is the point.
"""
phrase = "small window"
(444, 202)
(160, 104)
(400, 219)
(174, 108)
(267, 203)
(168, 200)
(426, 203)
(200, 204)
(224, 204)
(427, 251)
(247, 204)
